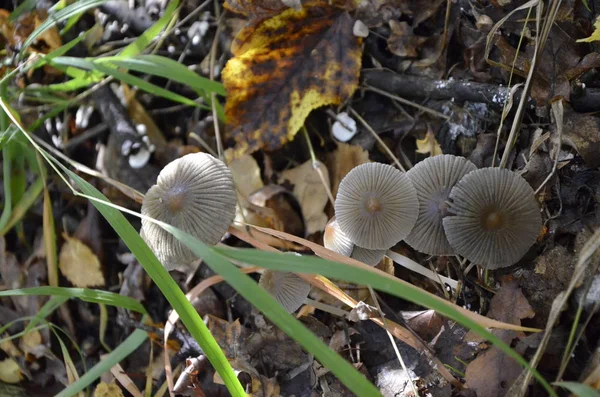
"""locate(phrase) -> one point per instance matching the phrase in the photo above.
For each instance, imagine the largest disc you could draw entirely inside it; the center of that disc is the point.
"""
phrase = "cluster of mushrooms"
(442, 206)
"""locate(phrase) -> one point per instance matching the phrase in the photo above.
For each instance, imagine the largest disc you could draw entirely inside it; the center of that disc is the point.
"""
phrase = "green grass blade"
(125, 77)
(157, 65)
(128, 346)
(85, 294)
(6, 172)
(189, 316)
(142, 42)
(49, 307)
(579, 389)
(24, 7)
(360, 276)
(262, 300)
(66, 13)
(21, 208)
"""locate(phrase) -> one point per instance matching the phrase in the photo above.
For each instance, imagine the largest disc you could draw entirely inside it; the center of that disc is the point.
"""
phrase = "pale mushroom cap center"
(175, 199)
(372, 204)
(492, 219)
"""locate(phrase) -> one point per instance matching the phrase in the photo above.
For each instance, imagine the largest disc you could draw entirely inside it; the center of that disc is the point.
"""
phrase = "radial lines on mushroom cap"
(433, 178)
(397, 207)
(194, 193)
(494, 217)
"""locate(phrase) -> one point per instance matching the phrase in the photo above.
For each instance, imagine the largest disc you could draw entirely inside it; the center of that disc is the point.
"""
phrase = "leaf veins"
(283, 68)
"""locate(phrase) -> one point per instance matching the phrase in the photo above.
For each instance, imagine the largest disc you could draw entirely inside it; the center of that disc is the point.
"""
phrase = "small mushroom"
(287, 288)
(376, 206)
(335, 240)
(367, 256)
(433, 179)
(194, 193)
(493, 218)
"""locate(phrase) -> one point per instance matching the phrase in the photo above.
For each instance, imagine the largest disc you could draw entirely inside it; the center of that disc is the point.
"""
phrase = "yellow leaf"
(595, 36)
(10, 371)
(108, 390)
(284, 67)
(79, 264)
(429, 145)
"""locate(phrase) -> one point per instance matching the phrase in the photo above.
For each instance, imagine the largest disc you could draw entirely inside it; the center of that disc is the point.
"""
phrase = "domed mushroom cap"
(376, 206)
(493, 217)
(194, 193)
(367, 256)
(433, 178)
(287, 288)
(335, 240)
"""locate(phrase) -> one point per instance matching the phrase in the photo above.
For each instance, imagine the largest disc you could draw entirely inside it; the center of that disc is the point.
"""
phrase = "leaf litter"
(286, 66)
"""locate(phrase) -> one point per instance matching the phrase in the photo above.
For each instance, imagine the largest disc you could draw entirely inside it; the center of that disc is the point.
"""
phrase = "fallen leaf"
(228, 335)
(255, 9)
(246, 174)
(79, 265)
(493, 372)
(108, 390)
(426, 323)
(402, 41)
(583, 130)
(285, 67)
(595, 36)
(32, 343)
(310, 192)
(15, 33)
(429, 145)
(342, 160)
(10, 371)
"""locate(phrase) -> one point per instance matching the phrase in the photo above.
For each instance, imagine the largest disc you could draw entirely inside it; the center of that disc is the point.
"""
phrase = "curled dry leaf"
(310, 192)
(79, 264)
(285, 67)
(342, 160)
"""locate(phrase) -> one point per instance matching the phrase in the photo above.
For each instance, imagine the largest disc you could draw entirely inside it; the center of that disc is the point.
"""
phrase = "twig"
(558, 111)
(422, 108)
(378, 139)
(316, 166)
(393, 342)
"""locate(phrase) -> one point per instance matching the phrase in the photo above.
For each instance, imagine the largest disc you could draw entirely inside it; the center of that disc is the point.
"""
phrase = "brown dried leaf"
(79, 265)
(403, 42)
(285, 67)
(426, 323)
(228, 335)
(342, 160)
(310, 192)
(493, 372)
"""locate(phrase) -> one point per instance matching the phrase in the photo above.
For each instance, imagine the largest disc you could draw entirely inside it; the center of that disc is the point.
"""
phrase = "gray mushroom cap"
(433, 178)
(376, 206)
(287, 288)
(194, 193)
(493, 217)
(367, 256)
(335, 240)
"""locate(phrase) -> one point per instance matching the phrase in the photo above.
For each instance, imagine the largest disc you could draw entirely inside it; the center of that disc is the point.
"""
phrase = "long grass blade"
(85, 294)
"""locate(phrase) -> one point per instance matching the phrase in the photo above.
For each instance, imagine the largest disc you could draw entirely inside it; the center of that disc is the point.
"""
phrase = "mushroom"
(433, 178)
(367, 256)
(376, 206)
(287, 288)
(493, 217)
(335, 240)
(194, 193)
